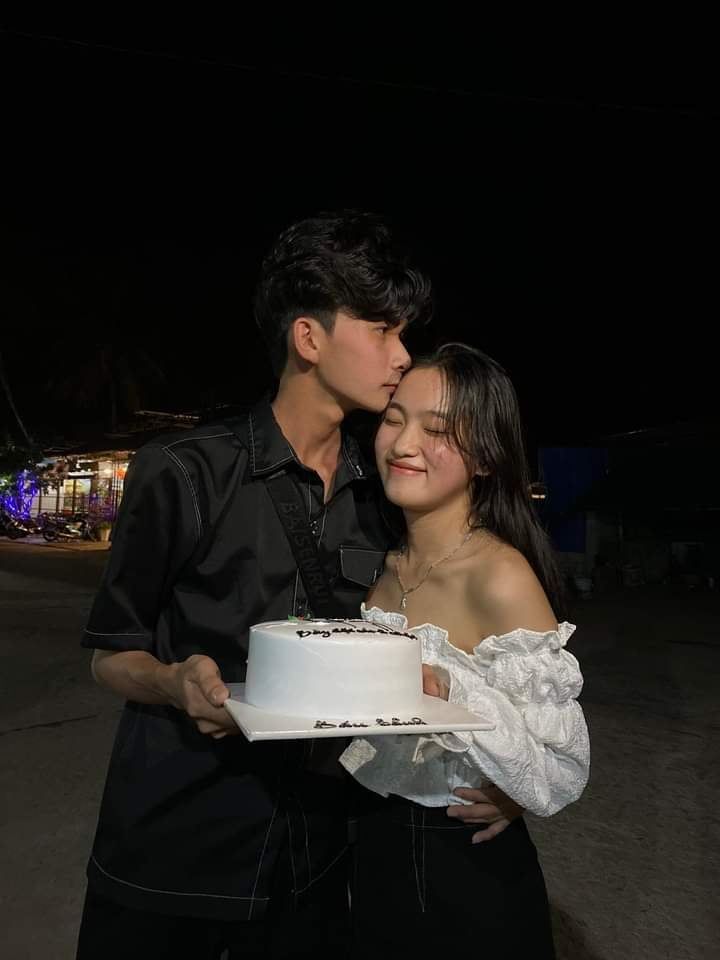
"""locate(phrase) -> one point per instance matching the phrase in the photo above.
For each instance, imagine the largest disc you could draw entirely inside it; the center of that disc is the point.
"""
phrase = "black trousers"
(318, 928)
(420, 888)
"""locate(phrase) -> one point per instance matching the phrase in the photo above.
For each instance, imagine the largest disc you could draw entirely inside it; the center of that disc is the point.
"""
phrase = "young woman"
(476, 580)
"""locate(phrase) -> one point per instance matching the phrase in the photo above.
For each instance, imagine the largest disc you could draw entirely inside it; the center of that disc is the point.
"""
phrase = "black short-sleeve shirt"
(189, 824)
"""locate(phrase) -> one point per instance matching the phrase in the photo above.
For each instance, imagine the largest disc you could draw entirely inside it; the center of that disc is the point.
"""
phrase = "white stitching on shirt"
(174, 893)
(211, 436)
(415, 864)
(290, 851)
(422, 869)
(354, 468)
(252, 441)
(262, 857)
(294, 598)
(96, 634)
(307, 841)
(328, 867)
(433, 827)
(192, 490)
(279, 463)
(252, 451)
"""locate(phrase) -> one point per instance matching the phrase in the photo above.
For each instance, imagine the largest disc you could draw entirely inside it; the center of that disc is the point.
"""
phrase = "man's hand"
(433, 684)
(195, 686)
(490, 806)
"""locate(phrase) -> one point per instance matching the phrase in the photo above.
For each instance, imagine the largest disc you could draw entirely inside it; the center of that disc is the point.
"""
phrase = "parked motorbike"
(78, 527)
(13, 526)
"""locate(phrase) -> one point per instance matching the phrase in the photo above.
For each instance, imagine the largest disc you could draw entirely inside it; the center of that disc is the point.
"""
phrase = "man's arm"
(157, 529)
(489, 806)
(193, 686)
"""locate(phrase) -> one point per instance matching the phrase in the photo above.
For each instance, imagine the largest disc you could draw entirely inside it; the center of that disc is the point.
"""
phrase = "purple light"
(18, 497)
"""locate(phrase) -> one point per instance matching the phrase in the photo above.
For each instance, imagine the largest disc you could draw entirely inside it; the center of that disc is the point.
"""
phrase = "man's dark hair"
(336, 261)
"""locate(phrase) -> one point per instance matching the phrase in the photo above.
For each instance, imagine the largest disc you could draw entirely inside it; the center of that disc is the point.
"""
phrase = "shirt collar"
(270, 451)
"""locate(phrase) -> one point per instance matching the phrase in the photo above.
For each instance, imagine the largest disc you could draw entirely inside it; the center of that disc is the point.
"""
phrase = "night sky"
(568, 225)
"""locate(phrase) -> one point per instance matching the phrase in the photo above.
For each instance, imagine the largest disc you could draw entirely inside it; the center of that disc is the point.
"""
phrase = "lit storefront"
(90, 484)
(90, 479)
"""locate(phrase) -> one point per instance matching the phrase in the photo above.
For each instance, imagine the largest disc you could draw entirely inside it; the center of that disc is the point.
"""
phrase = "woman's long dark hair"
(483, 419)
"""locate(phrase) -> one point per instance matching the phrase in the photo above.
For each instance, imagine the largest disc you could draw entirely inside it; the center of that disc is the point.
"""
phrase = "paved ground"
(632, 869)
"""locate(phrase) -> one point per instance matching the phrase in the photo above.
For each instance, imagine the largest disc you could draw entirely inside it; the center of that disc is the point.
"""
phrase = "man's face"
(361, 362)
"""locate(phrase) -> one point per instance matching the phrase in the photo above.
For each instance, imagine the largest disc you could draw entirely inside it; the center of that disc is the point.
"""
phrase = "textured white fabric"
(526, 683)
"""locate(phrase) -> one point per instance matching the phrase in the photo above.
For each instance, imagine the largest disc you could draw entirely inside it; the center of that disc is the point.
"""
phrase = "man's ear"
(304, 338)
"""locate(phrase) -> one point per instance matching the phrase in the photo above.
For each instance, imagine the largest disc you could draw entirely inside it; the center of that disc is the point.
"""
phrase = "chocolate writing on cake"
(393, 722)
(353, 631)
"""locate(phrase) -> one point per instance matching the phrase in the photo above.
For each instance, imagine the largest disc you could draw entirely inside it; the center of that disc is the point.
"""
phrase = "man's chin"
(370, 406)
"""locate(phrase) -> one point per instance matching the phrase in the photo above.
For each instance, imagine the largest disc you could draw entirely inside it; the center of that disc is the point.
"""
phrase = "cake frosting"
(330, 669)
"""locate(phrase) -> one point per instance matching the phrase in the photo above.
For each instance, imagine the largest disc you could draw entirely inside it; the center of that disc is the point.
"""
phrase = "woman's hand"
(433, 684)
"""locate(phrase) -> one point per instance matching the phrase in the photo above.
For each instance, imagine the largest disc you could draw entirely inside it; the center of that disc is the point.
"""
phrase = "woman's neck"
(431, 535)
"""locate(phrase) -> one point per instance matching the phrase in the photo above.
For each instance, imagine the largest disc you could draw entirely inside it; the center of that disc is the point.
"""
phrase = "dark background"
(565, 207)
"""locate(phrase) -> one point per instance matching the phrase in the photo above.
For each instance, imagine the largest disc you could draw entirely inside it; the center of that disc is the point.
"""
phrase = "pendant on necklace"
(403, 601)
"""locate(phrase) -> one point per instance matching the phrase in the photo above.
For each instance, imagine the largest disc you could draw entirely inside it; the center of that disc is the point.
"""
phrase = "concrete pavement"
(632, 869)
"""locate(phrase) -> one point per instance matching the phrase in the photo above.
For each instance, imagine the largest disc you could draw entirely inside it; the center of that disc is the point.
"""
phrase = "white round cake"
(334, 669)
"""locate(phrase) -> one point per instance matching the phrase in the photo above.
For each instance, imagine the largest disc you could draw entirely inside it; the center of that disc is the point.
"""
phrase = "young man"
(205, 841)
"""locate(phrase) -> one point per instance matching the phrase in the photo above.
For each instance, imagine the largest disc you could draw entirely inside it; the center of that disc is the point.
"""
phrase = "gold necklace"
(405, 591)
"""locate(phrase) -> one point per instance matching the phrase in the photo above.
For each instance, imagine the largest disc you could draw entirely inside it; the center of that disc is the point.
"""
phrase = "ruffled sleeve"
(536, 680)
(526, 683)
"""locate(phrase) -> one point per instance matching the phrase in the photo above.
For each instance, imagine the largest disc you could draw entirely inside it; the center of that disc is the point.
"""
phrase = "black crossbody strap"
(291, 511)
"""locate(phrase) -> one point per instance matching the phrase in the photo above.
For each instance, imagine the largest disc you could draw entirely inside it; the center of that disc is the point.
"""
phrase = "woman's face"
(420, 466)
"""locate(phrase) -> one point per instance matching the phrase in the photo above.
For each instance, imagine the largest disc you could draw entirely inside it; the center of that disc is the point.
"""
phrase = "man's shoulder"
(213, 437)
(211, 456)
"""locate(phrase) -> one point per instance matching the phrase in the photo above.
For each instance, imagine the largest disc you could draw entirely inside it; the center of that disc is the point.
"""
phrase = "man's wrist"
(165, 681)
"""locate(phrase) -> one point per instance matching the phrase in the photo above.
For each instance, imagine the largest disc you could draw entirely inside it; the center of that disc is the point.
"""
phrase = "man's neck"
(310, 422)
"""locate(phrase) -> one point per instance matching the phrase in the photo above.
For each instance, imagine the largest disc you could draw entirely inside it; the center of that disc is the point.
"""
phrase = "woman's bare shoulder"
(505, 591)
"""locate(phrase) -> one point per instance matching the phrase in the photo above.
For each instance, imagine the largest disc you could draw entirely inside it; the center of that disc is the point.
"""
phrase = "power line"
(376, 82)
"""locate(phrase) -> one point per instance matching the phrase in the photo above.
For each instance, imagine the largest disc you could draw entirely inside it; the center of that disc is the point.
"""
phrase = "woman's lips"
(404, 469)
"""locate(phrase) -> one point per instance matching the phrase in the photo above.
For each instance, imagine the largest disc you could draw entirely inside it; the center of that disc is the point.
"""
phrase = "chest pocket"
(361, 565)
